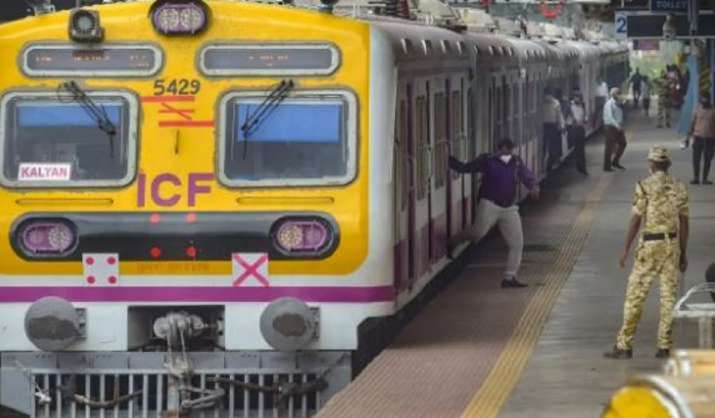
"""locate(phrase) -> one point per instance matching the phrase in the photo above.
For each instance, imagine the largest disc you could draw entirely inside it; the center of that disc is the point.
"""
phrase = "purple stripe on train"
(198, 294)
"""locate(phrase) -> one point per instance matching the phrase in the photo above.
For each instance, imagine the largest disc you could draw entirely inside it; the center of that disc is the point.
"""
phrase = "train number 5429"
(177, 87)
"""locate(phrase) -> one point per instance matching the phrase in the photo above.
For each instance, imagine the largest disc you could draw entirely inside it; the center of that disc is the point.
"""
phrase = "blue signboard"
(670, 6)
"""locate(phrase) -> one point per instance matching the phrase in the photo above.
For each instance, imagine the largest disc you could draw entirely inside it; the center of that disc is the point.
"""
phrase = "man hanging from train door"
(660, 211)
(502, 171)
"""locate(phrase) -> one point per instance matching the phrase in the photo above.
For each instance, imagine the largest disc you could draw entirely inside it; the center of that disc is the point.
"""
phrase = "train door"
(403, 193)
(491, 116)
(506, 121)
(440, 211)
(423, 166)
(465, 139)
(457, 136)
(498, 114)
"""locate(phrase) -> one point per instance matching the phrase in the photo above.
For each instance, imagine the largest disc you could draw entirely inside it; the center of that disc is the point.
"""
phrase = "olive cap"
(658, 154)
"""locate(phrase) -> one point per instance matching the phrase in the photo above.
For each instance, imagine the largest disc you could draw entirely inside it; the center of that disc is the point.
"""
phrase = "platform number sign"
(621, 25)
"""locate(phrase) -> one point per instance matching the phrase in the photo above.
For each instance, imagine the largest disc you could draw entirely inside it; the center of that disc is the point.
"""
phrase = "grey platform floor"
(567, 375)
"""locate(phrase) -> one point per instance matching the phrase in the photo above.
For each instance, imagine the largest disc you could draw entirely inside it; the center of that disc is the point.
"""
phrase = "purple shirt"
(500, 179)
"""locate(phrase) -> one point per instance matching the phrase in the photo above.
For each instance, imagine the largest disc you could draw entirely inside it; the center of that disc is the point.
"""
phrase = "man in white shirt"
(553, 126)
(577, 131)
(615, 137)
(645, 95)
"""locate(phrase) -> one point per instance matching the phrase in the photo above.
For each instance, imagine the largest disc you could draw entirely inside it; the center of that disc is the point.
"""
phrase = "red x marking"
(251, 270)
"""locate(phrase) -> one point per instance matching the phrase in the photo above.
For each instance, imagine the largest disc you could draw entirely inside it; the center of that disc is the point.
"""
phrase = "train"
(202, 201)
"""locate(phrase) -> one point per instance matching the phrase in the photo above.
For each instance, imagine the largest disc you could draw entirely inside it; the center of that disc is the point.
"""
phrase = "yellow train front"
(187, 178)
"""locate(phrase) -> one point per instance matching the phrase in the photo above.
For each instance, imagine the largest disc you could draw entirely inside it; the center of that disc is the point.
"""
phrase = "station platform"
(478, 350)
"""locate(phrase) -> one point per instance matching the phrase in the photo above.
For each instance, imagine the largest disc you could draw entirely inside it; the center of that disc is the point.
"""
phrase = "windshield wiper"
(256, 118)
(94, 110)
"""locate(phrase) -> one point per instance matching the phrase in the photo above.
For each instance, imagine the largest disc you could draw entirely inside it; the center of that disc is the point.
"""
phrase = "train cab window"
(48, 140)
(307, 139)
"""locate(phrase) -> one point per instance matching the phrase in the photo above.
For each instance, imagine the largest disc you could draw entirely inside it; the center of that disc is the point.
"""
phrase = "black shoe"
(512, 283)
(617, 353)
(450, 251)
(695, 181)
(619, 166)
(707, 182)
(583, 171)
(662, 353)
(608, 169)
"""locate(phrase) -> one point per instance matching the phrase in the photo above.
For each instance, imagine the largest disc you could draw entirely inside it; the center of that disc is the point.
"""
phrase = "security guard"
(661, 208)
(663, 88)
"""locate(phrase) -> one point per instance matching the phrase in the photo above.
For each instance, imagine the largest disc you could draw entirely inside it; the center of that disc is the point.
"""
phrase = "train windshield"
(296, 141)
(54, 142)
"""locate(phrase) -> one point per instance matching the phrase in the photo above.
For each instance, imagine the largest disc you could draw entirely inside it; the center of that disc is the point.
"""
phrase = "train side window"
(441, 141)
(307, 139)
(51, 141)
(458, 137)
(471, 116)
(422, 136)
(401, 166)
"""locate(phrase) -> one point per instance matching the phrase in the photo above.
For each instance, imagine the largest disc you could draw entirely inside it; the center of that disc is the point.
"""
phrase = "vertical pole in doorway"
(711, 52)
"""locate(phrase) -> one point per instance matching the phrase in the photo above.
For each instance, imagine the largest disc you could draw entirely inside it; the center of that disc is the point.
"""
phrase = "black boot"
(662, 353)
(618, 353)
(512, 282)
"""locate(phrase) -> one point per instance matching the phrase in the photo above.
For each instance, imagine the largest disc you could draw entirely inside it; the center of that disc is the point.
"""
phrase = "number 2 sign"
(621, 28)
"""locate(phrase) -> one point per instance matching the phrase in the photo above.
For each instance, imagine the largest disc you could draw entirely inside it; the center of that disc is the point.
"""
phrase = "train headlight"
(288, 324)
(53, 324)
(47, 237)
(302, 235)
(84, 26)
(179, 18)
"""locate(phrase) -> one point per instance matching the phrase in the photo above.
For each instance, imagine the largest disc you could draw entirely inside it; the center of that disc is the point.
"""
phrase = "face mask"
(506, 158)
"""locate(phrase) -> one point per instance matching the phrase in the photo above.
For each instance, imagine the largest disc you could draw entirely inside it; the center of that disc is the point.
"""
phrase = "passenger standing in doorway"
(577, 131)
(645, 95)
(553, 127)
(615, 136)
(636, 81)
(702, 130)
(502, 173)
(660, 210)
(601, 97)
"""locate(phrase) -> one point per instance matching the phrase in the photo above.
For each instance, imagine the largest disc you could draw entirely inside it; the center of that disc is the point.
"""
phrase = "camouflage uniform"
(659, 200)
(662, 89)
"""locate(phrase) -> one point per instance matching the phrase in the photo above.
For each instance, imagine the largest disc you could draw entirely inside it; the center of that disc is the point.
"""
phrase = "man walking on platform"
(660, 210)
(663, 88)
(615, 136)
(702, 130)
(636, 81)
(577, 131)
(502, 173)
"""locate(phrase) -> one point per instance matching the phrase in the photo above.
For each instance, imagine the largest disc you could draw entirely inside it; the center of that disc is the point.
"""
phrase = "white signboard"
(44, 172)
(621, 27)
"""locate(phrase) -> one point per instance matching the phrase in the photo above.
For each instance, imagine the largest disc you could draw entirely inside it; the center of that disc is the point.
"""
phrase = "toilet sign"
(669, 6)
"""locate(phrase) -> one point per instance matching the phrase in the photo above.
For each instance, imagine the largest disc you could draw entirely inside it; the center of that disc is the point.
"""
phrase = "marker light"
(179, 18)
(302, 236)
(84, 26)
(47, 237)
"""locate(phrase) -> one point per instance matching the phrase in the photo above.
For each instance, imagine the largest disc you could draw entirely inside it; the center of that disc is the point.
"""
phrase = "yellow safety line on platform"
(497, 387)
